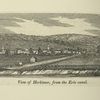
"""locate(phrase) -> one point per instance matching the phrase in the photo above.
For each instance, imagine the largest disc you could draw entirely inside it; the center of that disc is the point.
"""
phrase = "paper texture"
(50, 49)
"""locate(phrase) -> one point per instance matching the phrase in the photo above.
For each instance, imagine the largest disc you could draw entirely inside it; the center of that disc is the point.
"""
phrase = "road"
(43, 62)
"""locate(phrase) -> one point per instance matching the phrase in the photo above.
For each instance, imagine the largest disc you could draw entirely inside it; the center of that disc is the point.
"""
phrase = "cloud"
(31, 27)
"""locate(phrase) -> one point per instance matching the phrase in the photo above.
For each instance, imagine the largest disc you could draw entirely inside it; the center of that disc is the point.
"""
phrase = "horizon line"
(27, 12)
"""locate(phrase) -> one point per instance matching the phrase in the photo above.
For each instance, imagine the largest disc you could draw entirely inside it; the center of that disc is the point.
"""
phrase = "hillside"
(13, 41)
(77, 40)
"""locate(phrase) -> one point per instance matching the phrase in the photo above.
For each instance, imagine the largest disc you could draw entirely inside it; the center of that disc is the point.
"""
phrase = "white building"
(32, 59)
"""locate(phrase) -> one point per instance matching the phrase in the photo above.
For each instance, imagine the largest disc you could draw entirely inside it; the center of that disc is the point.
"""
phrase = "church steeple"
(48, 47)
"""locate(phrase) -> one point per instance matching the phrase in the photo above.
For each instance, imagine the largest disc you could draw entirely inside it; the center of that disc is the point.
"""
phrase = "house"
(35, 51)
(65, 51)
(33, 59)
(58, 51)
(20, 51)
(46, 51)
(26, 51)
(12, 52)
(2, 51)
(69, 52)
(73, 51)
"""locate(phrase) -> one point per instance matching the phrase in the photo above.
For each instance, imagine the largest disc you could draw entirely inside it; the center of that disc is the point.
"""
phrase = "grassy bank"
(13, 60)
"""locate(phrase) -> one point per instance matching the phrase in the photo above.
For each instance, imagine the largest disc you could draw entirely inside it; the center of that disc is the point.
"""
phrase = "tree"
(7, 52)
(98, 49)
(31, 51)
(40, 51)
(52, 50)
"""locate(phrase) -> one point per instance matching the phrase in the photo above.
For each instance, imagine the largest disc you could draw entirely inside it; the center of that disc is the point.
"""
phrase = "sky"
(43, 24)
(50, 24)
(31, 27)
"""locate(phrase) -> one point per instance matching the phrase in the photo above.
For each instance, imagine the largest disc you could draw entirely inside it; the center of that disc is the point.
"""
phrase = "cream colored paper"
(9, 87)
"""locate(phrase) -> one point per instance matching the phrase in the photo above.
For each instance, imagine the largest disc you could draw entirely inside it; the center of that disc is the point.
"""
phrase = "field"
(80, 66)
(14, 60)
(81, 60)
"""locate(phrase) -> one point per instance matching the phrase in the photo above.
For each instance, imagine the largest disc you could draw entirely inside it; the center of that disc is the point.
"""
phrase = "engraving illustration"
(49, 45)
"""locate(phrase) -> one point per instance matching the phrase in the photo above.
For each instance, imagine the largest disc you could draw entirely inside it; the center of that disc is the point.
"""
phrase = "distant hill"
(77, 40)
(13, 41)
